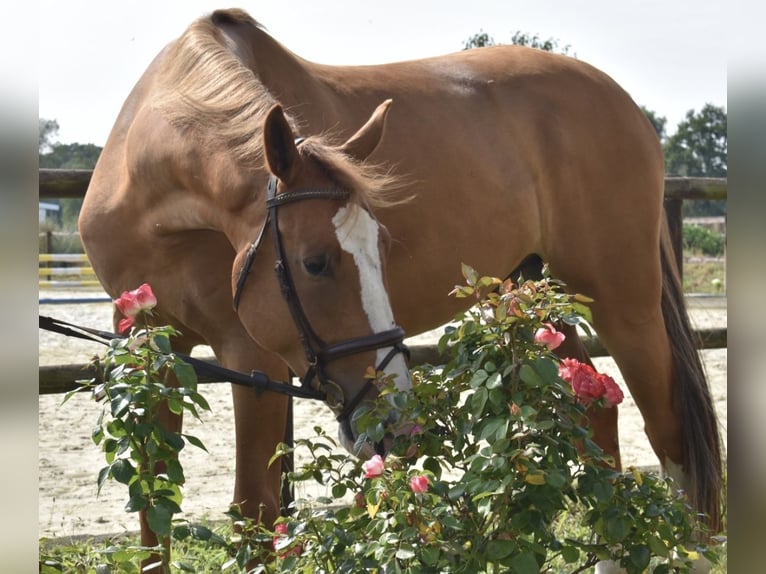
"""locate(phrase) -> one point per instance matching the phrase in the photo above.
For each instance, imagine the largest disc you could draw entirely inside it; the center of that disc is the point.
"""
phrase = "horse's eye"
(318, 265)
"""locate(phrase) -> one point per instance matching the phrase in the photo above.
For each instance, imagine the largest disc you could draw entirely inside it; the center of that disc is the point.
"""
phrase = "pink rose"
(612, 393)
(419, 484)
(131, 303)
(280, 541)
(126, 324)
(548, 335)
(373, 467)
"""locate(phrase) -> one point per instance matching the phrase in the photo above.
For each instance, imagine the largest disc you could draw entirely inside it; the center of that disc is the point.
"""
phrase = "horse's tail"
(702, 460)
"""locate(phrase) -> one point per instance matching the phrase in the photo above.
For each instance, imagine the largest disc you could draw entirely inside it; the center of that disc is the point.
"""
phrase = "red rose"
(588, 385)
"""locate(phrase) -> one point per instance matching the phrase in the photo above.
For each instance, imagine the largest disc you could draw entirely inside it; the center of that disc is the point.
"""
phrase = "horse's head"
(332, 320)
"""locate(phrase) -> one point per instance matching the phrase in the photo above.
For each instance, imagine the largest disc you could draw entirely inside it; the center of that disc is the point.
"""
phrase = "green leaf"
(339, 490)
(122, 471)
(186, 375)
(492, 427)
(175, 406)
(162, 342)
(525, 563)
(120, 404)
(103, 475)
(432, 464)
(195, 441)
(570, 554)
(430, 555)
(174, 440)
(499, 549)
(175, 471)
(616, 528)
(136, 503)
(494, 381)
(159, 519)
(478, 378)
(405, 554)
(456, 492)
(530, 376)
(555, 478)
(478, 401)
(469, 273)
(657, 546)
(639, 557)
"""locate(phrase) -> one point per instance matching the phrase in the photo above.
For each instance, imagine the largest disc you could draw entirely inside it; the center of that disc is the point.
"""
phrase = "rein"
(255, 380)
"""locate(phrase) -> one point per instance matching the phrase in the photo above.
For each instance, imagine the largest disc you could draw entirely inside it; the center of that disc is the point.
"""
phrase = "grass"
(85, 555)
(704, 276)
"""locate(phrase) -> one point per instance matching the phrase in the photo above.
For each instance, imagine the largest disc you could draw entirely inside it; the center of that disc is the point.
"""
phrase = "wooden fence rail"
(53, 274)
(62, 378)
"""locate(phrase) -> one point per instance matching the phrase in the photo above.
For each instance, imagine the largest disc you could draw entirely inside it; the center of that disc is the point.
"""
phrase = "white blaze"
(357, 233)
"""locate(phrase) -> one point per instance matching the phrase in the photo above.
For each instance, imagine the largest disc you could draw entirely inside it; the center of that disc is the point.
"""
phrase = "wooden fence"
(53, 274)
(72, 183)
(57, 183)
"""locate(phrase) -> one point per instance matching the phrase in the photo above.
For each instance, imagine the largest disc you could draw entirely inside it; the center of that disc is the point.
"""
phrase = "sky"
(669, 55)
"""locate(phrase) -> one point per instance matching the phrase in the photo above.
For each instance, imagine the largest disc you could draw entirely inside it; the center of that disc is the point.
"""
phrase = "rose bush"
(481, 483)
(492, 469)
(139, 374)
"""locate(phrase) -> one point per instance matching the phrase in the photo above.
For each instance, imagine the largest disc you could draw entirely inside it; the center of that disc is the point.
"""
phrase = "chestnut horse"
(501, 155)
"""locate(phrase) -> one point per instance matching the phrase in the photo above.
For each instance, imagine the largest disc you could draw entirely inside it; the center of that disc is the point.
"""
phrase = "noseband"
(318, 353)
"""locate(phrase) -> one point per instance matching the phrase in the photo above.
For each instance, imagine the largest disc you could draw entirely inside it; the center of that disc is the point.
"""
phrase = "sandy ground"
(69, 461)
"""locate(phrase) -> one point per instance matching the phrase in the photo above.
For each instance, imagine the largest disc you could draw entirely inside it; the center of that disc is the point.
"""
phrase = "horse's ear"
(279, 144)
(363, 142)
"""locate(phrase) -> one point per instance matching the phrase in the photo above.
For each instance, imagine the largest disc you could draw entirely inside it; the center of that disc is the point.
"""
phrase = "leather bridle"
(318, 353)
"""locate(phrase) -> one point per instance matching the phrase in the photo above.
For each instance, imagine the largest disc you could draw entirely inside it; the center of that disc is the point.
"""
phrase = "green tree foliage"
(659, 123)
(699, 149)
(71, 156)
(519, 38)
(699, 146)
(48, 129)
(65, 156)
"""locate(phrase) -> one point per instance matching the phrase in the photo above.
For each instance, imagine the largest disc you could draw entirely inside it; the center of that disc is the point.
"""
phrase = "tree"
(699, 149)
(48, 129)
(699, 146)
(519, 38)
(658, 122)
(65, 156)
(71, 156)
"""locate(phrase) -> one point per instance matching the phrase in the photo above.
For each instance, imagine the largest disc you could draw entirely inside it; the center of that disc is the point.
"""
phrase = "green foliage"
(699, 148)
(48, 129)
(658, 123)
(71, 156)
(519, 38)
(491, 437)
(495, 433)
(141, 375)
(699, 239)
(65, 156)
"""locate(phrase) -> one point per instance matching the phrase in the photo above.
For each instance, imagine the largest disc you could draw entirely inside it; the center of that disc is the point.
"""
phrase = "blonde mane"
(205, 89)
